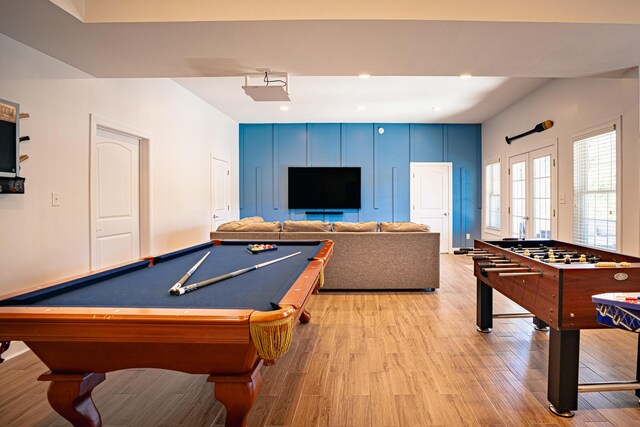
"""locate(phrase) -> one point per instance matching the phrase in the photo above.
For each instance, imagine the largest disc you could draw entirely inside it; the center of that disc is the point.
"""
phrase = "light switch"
(563, 198)
(55, 199)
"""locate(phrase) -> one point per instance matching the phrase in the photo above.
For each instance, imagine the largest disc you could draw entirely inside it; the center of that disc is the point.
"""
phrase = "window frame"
(601, 128)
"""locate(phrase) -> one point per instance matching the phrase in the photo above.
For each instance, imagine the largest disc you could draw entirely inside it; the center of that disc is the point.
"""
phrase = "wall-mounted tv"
(324, 188)
(9, 113)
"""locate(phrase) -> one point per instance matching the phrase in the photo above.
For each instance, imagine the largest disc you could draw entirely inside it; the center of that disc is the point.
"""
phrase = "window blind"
(594, 189)
(492, 179)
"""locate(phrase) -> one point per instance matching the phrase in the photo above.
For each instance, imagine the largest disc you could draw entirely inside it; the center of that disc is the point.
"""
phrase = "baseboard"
(16, 349)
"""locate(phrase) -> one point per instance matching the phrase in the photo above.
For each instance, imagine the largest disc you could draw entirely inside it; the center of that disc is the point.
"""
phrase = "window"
(594, 189)
(492, 179)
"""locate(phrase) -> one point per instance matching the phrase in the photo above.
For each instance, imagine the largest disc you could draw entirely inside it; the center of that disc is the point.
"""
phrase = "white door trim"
(449, 165)
(145, 194)
(228, 192)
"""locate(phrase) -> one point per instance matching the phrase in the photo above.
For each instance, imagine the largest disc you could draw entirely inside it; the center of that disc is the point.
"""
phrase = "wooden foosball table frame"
(558, 297)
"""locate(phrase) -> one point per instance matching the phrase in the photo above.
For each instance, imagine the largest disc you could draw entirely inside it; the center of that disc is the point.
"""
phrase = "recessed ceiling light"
(361, 107)
(465, 76)
(437, 108)
(284, 108)
(364, 76)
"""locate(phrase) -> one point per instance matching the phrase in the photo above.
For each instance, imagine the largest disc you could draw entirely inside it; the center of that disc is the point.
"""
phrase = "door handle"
(215, 216)
(445, 214)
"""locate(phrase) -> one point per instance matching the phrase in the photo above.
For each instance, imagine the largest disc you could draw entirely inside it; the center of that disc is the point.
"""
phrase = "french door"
(532, 194)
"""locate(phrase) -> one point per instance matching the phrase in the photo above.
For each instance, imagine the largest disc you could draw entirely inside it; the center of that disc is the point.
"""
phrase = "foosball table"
(555, 282)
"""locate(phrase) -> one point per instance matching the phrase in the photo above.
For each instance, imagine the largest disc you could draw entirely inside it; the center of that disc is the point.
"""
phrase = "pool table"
(124, 318)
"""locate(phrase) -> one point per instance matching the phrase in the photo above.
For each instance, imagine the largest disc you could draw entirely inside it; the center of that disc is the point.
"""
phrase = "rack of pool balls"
(257, 248)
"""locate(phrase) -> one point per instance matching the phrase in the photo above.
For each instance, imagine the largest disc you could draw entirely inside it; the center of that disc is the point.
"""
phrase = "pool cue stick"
(188, 274)
(198, 285)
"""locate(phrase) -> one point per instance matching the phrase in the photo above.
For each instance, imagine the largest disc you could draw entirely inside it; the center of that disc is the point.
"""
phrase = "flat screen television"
(324, 188)
(9, 113)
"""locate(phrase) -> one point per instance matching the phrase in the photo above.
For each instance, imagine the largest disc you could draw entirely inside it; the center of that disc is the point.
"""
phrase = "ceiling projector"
(270, 89)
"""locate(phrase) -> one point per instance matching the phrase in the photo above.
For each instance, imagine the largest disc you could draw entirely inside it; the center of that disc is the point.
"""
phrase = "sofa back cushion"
(306, 226)
(252, 219)
(403, 227)
(360, 227)
(251, 226)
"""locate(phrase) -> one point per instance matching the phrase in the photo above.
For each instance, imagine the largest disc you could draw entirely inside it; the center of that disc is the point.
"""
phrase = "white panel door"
(115, 177)
(431, 199)
(219, 192)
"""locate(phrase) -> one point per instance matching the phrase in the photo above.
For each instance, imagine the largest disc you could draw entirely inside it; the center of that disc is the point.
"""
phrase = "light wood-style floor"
(370, 359)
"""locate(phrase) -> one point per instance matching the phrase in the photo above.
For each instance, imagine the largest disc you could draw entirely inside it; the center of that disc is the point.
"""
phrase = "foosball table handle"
(524, 273)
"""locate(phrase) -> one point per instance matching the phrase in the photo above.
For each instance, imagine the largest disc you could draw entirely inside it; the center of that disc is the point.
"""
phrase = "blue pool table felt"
(140, 286)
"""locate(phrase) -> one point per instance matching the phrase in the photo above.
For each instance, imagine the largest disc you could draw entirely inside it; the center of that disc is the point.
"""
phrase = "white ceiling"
(526, 52)
(385, 99)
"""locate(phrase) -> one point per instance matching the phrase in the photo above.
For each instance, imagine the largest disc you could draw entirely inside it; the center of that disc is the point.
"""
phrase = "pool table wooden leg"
(305, 316)
(237, 394)
(70, 396)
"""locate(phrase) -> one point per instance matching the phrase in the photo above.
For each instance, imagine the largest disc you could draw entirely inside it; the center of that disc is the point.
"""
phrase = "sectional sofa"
(377, 260)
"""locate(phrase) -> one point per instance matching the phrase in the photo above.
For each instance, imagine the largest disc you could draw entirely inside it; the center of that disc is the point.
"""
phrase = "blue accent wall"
(267, 151)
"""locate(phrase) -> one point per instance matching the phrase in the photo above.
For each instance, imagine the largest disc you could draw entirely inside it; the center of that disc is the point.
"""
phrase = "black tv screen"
(8, 138)
(324, 188)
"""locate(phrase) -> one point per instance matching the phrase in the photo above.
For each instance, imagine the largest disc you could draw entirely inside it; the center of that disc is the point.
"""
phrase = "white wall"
(574, 105)
(41, 243)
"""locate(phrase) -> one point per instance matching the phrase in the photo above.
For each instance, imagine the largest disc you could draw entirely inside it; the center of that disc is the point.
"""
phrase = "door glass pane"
(542, 197)
(518, 199)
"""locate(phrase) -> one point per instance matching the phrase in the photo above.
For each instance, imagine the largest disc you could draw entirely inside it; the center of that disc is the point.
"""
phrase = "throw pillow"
(355, 226)
(306, 226)
(403, 227)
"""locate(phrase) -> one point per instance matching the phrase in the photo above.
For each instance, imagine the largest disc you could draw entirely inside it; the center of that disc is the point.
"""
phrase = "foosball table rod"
(513, 315)
(537, 324)
(482, 262)
(608, 386)
(524, 273)
(505, 265)
(488, 258)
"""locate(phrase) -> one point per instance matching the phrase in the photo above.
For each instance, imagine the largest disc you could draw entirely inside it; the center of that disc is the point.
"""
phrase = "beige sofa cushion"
(355, 226)
(402, 227)
(251, 226)
(306, 226)
(252, 219)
